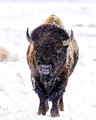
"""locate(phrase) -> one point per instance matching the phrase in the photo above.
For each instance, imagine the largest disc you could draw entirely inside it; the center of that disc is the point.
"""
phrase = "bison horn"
(29, 37)
(69, 40)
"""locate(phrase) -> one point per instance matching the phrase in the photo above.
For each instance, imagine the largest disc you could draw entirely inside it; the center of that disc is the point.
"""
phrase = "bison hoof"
(54, 112)
(42, 111)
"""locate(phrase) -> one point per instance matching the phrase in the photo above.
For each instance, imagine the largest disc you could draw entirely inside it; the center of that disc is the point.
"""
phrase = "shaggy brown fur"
(53, 20)
(61, 72)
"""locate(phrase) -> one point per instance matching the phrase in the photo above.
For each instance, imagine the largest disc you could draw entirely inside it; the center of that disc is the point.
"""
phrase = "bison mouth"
(45, 69)
(48, 82)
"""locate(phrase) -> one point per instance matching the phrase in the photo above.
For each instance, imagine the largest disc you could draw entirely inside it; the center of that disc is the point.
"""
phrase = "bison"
(52, 56)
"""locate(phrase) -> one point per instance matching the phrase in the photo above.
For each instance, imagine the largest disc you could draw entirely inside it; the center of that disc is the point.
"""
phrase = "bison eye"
(58, 49)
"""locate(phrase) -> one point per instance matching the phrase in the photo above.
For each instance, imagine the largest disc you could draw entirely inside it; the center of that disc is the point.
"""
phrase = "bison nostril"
(45, 69)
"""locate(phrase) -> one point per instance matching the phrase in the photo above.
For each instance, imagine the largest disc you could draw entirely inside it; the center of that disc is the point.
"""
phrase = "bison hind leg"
(61, 104)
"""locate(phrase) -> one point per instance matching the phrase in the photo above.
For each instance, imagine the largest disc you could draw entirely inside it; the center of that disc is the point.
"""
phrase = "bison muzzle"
(52, 56)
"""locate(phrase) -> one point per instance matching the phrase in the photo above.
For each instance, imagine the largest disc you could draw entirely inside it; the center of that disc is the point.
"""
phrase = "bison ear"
(29, 38)
(69, 40)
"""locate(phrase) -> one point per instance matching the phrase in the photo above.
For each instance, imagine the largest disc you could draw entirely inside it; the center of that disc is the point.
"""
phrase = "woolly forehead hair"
(49, 31)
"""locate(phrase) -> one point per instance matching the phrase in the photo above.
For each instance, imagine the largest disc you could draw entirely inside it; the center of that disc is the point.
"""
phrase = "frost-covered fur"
(47, 40)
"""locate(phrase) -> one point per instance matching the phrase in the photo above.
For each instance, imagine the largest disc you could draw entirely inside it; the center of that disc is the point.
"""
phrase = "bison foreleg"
(57, 104)
(57, 98)
(54, 110)
(43, 106)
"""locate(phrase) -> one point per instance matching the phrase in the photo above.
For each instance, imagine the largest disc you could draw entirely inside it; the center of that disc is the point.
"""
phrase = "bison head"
(50, 51)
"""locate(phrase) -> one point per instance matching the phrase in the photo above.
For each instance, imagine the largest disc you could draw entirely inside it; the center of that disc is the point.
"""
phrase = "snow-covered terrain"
(18, 101)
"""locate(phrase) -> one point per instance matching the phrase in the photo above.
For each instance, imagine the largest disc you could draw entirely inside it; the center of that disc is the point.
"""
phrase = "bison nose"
(45, 69)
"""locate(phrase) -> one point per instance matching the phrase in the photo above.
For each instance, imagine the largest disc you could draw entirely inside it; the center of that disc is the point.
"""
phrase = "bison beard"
(52, 57)
(48, 82)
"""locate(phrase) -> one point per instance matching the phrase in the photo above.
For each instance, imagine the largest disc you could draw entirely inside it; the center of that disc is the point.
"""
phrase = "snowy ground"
(17, 98)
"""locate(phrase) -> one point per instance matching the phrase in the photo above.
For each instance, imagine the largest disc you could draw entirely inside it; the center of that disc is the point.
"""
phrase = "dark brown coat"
(51, 62)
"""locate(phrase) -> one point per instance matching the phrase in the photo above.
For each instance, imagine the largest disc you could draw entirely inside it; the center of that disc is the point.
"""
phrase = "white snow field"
(18, 101)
